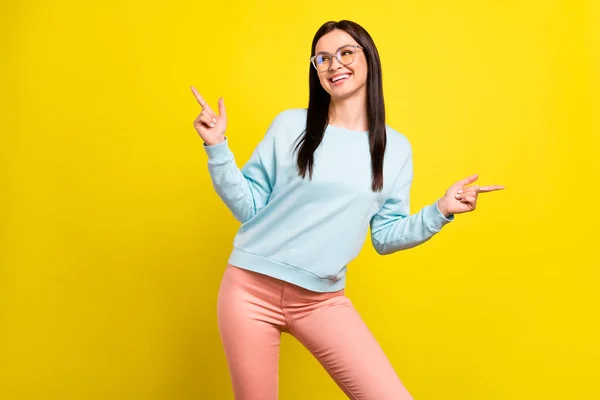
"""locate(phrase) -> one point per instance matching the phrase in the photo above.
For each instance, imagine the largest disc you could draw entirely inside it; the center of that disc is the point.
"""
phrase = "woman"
(287, 270)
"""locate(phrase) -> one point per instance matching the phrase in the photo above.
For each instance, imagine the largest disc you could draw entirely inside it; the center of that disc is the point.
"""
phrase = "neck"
(350, 113)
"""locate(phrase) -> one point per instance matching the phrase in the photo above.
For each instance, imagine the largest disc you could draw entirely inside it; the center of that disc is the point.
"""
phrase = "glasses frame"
(337, 55)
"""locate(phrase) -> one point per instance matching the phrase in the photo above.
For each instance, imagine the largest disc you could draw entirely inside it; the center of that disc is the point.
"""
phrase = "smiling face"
(342, 81)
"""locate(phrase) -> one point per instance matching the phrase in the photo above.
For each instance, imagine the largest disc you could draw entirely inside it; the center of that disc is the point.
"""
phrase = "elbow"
(380, 247)
(381, 251)
(242, 209)
(245, 216)
(385, 247)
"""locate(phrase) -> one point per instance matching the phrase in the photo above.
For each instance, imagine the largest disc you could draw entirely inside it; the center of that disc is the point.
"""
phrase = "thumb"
(222, 112)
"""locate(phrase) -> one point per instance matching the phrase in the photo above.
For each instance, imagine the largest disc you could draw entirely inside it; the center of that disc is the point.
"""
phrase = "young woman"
(312, 187)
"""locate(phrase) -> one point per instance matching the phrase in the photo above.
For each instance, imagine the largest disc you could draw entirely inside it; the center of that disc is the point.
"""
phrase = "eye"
(320, 58)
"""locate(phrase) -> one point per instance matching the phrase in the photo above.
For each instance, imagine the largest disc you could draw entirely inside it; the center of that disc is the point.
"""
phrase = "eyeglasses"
(345, 55)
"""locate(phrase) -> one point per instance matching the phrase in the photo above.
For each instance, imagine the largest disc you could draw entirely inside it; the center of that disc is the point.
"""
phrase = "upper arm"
(397, 205)
(261, 169)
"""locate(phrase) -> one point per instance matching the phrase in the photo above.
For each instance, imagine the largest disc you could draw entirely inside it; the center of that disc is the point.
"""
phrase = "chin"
(342, 95)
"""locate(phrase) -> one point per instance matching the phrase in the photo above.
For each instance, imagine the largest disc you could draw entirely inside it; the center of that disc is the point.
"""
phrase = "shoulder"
(287, 124)
(292, 116)
(398, 142)
(290, 122)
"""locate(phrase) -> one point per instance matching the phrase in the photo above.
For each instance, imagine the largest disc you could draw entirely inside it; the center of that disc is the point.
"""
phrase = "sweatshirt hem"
(284, 272)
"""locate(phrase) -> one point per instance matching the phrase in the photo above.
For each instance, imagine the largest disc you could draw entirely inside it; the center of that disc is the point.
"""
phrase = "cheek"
(324, 84)
(364, 78)
(360, 77)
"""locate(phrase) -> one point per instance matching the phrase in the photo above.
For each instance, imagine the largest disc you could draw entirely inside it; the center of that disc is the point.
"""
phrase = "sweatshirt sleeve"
(394, 229)
(244, 191)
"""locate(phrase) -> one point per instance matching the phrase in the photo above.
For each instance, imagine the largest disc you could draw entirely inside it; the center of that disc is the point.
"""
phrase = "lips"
(339, 77)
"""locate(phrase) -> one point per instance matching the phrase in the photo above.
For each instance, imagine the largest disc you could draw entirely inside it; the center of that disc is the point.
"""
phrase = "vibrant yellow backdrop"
(113, 241)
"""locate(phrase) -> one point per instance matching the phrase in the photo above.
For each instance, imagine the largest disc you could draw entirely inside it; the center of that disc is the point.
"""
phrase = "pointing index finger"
(490, 188)
(199, 98)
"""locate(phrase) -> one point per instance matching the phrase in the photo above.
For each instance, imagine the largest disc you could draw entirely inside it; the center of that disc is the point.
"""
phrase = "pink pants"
(253, 310)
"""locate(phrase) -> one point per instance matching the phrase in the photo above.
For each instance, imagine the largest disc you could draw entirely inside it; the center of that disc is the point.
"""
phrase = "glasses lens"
(322, 62)
(347, 55)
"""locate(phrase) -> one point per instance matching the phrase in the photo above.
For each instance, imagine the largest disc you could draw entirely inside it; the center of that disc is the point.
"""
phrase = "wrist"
(215, 142)
(441, 204)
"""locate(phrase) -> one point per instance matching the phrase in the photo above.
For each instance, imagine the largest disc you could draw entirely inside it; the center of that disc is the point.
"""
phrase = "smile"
(339, 78)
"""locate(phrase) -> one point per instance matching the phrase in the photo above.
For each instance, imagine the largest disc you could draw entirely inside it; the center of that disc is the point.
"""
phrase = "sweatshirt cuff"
(435, 219)
(219, 150)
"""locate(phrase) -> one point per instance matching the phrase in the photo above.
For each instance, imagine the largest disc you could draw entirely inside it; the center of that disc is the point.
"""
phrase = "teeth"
(337, 78)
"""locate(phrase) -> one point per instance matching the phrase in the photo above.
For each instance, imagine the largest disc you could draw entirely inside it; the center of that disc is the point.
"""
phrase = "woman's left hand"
(460, 199)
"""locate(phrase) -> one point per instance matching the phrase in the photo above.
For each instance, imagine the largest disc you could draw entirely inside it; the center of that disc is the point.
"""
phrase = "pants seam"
(340, 383)
(337, 380)
(288, 320)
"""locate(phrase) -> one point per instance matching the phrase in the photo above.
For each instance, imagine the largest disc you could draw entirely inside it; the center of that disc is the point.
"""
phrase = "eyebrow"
(349, 44)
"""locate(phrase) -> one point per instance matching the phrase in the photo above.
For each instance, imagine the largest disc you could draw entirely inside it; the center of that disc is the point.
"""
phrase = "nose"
(335, 60)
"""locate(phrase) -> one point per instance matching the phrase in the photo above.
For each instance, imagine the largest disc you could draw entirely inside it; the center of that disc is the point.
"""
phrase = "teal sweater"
(306, 231)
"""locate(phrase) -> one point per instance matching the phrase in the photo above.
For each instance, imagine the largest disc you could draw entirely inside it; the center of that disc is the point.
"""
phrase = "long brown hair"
(317, 117)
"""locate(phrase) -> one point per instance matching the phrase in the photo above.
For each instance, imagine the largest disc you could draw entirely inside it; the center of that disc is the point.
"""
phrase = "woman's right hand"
(210, 127)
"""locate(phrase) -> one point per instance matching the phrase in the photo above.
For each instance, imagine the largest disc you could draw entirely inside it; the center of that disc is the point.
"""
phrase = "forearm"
(230, 183)
(410, 231)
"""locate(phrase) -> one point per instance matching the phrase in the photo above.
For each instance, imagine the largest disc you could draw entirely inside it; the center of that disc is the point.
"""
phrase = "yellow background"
(113, 241)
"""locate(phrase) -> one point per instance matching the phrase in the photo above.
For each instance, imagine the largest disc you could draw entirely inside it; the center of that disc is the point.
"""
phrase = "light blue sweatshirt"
(306, 231)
